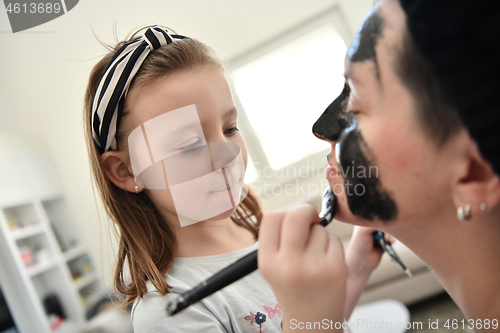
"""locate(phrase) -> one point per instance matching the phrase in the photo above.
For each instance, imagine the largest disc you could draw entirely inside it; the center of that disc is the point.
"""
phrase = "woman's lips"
(331, 172)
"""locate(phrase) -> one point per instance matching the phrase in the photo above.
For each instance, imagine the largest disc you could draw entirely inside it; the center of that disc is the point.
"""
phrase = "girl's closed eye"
(231, 131)
(191, 145)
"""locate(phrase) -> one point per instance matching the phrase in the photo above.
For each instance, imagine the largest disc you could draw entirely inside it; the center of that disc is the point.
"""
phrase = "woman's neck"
(211, 238)
(464, 256)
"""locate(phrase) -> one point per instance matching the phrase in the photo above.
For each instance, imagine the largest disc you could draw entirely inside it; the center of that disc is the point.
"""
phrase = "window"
(283, 93)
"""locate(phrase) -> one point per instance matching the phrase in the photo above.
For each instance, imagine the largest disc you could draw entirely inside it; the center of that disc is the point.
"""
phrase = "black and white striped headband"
(113, 87)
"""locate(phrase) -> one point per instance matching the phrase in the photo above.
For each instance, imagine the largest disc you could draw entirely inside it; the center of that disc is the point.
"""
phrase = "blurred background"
(285, 59)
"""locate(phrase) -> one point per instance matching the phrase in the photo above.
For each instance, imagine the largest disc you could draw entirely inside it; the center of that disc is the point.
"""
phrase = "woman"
(420, 112)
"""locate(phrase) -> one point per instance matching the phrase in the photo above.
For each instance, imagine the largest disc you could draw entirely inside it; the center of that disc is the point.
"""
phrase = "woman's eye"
(190, 146)
(231, 131)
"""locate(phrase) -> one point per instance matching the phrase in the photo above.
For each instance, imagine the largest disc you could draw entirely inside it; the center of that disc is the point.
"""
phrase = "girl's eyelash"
(232, 129)
(191, 146)
(229, 131)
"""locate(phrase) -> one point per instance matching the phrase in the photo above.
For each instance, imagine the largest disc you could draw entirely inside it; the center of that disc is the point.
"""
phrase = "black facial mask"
(363, 46)
(366, 197)
(331, 123)
(365, 41)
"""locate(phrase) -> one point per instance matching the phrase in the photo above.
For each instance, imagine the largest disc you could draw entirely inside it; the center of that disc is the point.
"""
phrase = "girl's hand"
(363, 256)
(305, 267)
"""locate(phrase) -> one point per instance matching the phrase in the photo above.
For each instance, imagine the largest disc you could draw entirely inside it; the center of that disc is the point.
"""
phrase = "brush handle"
(238, 269)
(379, 237)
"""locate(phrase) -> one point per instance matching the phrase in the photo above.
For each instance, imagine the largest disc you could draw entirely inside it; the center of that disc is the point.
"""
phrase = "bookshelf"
(42, 257)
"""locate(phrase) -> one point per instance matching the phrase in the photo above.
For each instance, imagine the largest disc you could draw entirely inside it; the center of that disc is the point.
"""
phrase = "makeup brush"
(241, 267)
(379, 238)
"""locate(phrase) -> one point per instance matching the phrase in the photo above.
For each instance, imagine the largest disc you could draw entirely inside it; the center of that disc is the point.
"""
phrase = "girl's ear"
(116, 167)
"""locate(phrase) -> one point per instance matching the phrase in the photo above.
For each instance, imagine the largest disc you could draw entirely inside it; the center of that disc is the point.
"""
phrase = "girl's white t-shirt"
(248, 305)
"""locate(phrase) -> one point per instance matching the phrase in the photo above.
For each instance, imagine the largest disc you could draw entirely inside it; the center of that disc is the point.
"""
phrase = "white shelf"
(92, 299)
(41, 267)
(85, 280)
(28, 231)
(37, 203)
(74, 253)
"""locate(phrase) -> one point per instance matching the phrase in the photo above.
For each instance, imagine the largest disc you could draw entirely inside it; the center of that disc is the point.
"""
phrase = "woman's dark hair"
(435, 112)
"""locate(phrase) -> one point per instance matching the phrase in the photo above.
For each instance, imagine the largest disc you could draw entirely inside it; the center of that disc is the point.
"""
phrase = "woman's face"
(185, 149)
(391, 171)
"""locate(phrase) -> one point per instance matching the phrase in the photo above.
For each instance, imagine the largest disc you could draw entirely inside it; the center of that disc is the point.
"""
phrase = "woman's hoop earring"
(136, 189)
(482, 206)
(463, 212)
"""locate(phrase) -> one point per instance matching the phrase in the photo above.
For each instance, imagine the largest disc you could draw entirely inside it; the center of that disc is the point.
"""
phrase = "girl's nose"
(223, 154)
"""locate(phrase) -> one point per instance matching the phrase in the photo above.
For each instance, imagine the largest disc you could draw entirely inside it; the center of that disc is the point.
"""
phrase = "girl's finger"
(296, 228)
(335, 247)
(318, 242)
(270, 232)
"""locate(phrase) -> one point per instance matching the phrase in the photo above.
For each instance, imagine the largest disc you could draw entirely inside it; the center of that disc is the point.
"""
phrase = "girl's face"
(185, 149)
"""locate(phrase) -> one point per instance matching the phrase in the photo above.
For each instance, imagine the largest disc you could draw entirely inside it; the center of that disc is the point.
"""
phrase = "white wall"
(43, 73)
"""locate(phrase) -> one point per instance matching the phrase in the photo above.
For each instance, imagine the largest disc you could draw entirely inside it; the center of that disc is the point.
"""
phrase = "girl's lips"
(232, 187)
(331, 172)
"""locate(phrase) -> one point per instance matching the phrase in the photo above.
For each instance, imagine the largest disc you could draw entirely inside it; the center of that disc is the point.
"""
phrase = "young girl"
(165, 92)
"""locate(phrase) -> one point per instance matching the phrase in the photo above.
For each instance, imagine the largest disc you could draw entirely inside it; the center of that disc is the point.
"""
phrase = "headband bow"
(113, 87)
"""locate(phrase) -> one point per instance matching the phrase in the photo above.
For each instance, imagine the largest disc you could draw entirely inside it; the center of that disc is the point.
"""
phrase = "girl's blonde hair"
(147, 242)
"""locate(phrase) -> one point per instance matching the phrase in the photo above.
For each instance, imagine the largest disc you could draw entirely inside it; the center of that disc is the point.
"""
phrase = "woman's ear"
(478, 184)
(116, 167)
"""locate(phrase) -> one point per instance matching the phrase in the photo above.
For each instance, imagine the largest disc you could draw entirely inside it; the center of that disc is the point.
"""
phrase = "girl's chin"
(223, 216)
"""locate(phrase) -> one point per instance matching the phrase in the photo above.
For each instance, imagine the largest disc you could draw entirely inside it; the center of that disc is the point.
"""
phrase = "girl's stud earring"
(482, 206)
(463, 212)
(136, 189)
